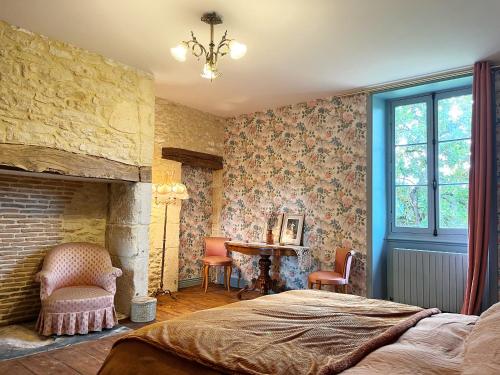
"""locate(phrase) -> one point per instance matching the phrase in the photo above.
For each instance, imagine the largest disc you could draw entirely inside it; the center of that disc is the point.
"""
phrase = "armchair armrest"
(116, 272)
(48, 282)
(107, 279)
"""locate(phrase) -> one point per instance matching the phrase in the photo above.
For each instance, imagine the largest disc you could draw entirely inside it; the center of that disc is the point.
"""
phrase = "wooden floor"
(87, 357)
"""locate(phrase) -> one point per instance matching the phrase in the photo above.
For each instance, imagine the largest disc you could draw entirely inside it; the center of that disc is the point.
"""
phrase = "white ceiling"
(297, 49)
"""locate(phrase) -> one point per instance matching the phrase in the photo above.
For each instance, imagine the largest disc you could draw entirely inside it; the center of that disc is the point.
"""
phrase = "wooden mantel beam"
(192, 158)
(50, 160)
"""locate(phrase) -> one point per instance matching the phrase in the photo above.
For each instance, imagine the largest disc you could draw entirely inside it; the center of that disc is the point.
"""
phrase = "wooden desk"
(263, 283)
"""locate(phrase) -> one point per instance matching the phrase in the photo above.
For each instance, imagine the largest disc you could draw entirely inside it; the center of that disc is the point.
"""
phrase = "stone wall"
(127, 239)
(184, 127)
(56, 95)
(35, 215)
(181, 127)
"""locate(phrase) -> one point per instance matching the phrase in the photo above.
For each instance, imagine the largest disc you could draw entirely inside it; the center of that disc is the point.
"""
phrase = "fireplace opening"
(37, 214)
(40, 212)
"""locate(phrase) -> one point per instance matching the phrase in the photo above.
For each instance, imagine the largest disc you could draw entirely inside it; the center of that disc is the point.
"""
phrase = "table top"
(261, 248)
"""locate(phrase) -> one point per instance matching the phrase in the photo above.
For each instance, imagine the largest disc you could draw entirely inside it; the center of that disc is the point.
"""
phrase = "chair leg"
(319, 284)
(310, 285)
(203, 277)
(206, 273)
(229, 271)
(225, 277)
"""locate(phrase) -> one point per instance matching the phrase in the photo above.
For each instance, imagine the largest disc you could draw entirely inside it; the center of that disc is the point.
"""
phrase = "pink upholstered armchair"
(78, 285)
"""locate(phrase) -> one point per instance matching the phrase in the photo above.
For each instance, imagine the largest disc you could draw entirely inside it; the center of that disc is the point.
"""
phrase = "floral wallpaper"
(195, 221)
(306, 158)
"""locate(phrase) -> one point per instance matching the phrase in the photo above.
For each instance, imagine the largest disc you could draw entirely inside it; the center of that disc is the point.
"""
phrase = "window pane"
(453, 206)
(411, 206)
(411, 165)
(410, 124)
(454, 162)
(454, 117)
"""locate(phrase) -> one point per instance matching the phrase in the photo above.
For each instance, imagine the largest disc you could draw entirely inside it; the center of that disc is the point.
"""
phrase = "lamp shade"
(171, 191)
(179, 52)
(209, 72)
(237, 50)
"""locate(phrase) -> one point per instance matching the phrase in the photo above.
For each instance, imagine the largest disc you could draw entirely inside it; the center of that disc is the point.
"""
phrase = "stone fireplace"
(76, 142)
(38, 213)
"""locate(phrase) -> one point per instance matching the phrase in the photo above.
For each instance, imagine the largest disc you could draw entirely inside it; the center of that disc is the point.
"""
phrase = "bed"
(312, 332)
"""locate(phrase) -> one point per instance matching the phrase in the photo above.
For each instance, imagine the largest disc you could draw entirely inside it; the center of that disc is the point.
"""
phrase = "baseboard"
(220, 280)
(189, 282)
(234, 282)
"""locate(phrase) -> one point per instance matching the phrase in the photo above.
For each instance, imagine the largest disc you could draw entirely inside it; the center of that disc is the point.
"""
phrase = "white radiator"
(428, 278)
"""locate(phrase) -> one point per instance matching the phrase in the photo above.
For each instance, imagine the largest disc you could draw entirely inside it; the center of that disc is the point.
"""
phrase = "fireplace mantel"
(49, 160)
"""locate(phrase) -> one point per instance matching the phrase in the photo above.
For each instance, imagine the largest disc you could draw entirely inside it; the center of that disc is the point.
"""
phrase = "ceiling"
(297, 49)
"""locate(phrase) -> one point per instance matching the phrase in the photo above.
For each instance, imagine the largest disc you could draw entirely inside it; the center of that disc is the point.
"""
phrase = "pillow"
(482, 346)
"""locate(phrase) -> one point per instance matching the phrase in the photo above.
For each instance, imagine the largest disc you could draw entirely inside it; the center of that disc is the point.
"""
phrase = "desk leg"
(264, 280)
(263, 283)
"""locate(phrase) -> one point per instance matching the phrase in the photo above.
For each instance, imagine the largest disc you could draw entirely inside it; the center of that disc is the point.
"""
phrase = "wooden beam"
(51, 160)
(192, 158)
(145, 174)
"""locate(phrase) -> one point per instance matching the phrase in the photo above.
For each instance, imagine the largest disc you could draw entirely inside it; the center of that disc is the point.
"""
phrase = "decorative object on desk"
(167, 194)
(143, 309)
(272, 229)
(291, 229)
(269, 237)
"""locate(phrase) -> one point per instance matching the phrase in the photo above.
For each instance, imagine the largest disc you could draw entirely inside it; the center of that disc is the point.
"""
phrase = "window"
(430, 138)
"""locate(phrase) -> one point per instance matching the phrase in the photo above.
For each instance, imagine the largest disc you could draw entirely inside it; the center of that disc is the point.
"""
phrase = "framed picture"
(276, 229)
(291, 230)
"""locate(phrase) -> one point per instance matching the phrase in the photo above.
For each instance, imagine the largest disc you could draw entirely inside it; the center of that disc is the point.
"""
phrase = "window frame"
(438, 96)
(429, 233)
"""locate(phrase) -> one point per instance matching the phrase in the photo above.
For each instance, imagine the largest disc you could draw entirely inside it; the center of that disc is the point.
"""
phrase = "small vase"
(270, 237)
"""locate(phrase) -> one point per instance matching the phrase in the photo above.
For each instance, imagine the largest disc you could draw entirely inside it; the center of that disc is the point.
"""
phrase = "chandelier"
(212, 54)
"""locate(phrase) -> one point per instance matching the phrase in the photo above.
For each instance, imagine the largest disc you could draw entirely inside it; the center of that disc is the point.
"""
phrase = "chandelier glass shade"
(213, 52)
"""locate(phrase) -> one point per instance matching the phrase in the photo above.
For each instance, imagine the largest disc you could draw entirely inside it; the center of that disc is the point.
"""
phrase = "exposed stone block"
(60, 96)
(130, 203)
(132, 283)
(127, 240)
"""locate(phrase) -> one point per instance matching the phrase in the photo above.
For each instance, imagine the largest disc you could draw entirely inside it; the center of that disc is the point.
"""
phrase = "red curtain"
(479, 188)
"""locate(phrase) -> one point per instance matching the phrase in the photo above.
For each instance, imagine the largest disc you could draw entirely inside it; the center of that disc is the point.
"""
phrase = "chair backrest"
(343, 260)
(77, 263)
(214, 246)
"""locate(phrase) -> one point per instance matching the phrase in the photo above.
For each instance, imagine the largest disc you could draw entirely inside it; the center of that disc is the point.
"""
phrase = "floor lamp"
(167, 194)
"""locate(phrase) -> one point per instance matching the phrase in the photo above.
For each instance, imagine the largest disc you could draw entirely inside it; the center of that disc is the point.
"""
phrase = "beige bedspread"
(297, 332)
(434, 346)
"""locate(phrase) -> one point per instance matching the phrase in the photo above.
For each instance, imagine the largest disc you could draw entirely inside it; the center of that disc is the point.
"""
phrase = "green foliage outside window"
(412, 162)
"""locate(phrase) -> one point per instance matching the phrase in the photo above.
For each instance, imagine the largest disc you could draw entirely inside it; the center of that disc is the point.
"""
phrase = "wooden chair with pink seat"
(216, 256)
(338, 277)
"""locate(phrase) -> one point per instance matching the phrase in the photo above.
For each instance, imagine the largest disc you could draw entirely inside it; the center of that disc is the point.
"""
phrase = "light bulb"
(237, 50)
(179, 52)
(209, 72)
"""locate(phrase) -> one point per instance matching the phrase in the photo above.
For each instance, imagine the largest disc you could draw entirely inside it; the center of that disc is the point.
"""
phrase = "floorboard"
(13, 367)
(86, 358)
